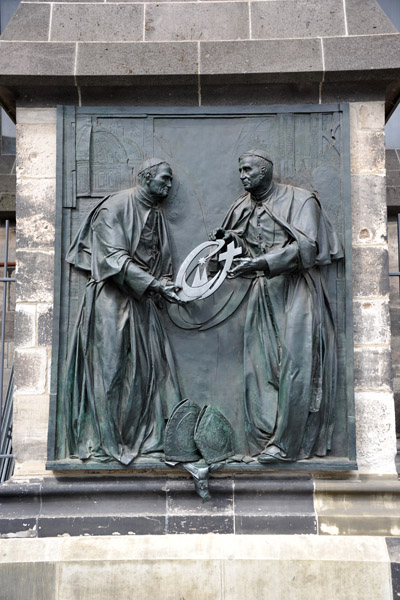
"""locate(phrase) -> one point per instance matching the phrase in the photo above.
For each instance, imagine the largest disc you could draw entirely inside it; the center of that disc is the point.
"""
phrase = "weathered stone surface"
(29, 23)
(28, 406)
(36, 155)
(366, 16)
(368, 199)
(392, 160)
(7, 183)
(164, 94)
(34, 276)
(36, 115)
(371, 322)
(362, 505)
(367, 152)
(7, 162)
(30, 371)
(372, 368)
(25, 325)
(195, 21)
(38, 58)
(205, 567)
(374, 262)
(376, 436)
(266, 56)
(97, 22)
(45, 324)
(366, 56)
(369, 115)
(297, 19)
(231, 93)
(138, 59)
(36, 204)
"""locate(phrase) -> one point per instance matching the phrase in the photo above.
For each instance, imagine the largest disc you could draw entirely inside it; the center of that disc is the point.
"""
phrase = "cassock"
(290, 341)
(121, 384)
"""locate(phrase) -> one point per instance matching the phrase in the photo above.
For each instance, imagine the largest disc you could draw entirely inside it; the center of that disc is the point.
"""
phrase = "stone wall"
(372, 351)
(36, 184)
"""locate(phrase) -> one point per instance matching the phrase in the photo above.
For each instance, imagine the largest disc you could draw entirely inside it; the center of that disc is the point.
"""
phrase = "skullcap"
(151, 162)
(260, 154)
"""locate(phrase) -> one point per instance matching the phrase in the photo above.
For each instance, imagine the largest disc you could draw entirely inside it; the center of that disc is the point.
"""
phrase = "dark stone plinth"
(156, 505)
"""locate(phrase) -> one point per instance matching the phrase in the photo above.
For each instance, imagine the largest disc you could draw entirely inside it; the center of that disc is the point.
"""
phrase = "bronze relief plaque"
(203, 254)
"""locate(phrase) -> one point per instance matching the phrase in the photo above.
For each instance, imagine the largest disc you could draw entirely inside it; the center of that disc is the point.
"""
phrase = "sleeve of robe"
(301, 253)
(111, 242)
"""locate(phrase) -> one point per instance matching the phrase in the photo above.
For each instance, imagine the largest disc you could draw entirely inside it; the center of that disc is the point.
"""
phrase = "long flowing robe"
(121, 384)
(290, 356)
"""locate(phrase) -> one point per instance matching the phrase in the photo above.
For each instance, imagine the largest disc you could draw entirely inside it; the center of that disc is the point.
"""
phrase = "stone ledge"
(206, 567)
(369, 506)
(158, 505)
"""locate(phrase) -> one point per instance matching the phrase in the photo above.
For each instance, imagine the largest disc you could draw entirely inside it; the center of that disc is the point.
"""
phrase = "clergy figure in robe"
(289, 336)
(121, 384)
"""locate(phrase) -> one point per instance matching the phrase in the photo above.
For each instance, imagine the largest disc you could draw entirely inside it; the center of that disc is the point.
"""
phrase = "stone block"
(393, 178)
(281, 505)
(186, 513)
(25, 325)
(31, 412)
(367, 17)
(368, 115)
(39, 58)
(7, 203)
(351, 91)
(368, 204)
(392, 160)
(393, 196)
(363, 505)
(370, 271)
(393, 545)
(137, 59)
(197, 21)
(302, 567)
(34, 276)
(36, 209)
(29, 23)
(241, 94)
(367, 152)
(45, 324)
(297, 19)
(367, 56)
(149, 578)
(376, 435)
(33, 116)
(7, 162)
(30, 371)
(28, 580)
(284, 56)
(7, 183)
(97, 22)
(138, 94)
(371, 322)
(36, 150)
(372, 368)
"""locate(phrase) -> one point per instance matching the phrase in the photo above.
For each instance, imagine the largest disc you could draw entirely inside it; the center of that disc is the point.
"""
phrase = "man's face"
(160, 184)
(252, 175)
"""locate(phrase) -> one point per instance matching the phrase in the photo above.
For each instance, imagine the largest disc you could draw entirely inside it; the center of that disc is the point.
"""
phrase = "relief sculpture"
(191, 339)
(290, 356)
(121, 380)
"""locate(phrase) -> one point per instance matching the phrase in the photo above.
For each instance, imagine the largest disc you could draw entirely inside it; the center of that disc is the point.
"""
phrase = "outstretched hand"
(244, 266)
(169, 293)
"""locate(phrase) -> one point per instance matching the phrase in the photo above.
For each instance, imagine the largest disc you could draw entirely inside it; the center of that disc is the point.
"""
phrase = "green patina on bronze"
(274, 354)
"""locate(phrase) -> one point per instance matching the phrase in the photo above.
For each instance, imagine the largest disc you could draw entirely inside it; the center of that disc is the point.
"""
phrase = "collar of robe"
(146, 199)
(263, 196)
